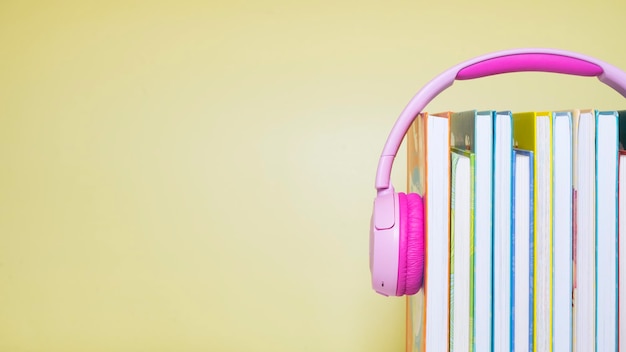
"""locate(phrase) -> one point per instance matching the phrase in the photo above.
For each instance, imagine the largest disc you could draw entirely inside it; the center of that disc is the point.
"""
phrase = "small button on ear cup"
(415, 244)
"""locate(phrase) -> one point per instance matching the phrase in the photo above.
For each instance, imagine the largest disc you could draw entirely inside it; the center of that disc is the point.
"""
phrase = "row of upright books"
(522, 231)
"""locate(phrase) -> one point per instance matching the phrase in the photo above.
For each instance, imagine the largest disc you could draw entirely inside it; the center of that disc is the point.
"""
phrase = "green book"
(462, 250)
(473, 130)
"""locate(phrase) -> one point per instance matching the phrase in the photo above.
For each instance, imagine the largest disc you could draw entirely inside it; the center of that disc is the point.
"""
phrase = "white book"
(522, 250)
(533, 131)
(606, 230)
(543, 249)
(474, 130)
(503, 149)
(428, 159)
(437, 217)
(460, 250)
(562, 231)
(622, 251)
(584, 173)
(483, 232)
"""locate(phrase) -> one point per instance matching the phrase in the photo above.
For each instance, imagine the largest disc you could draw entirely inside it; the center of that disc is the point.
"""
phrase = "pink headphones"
(397, 225)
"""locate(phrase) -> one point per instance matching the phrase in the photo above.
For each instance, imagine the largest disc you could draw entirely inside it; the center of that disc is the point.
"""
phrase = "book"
(461, 249)
(474, 130)
(583, 177)
(522, 252)
(621, 211)
(606, 230)
(622, 251)
(429, 152)
(532, 131)
(562, 231)
(503, 154)
(416, 183)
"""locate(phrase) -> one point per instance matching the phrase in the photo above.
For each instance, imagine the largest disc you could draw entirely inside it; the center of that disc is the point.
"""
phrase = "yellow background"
(198, 176)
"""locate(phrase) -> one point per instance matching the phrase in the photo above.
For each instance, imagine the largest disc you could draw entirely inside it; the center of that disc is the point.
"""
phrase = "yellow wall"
(197, 176)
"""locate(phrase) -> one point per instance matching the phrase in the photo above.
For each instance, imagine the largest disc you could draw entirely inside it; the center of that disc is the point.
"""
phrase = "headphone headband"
(518, 60)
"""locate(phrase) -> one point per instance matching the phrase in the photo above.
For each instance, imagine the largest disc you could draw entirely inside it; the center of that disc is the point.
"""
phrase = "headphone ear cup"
(415, 243)
(402, 244)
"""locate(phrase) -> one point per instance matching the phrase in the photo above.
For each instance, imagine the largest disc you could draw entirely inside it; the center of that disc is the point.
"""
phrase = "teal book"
(461, 250)
(607, 146)
(473, 130)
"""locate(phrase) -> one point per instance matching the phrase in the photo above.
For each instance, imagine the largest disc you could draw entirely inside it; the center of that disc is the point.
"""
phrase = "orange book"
(427, 318)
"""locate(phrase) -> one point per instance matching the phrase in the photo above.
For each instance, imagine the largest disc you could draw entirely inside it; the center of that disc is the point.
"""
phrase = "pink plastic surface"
(518, 60)
(384, 217)
(384, 247)
(530, 62)
(397, 253)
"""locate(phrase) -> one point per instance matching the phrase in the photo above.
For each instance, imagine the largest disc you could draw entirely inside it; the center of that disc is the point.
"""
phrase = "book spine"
(472, 257)
(453, 160)
(531, 255)
(512, 249)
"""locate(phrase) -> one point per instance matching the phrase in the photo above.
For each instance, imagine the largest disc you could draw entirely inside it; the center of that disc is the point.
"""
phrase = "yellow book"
(532, 131)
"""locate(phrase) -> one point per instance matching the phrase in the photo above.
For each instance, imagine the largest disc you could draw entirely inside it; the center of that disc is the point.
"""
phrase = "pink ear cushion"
(403, 245)
(415, 244)
(411, 244)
